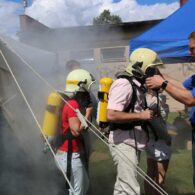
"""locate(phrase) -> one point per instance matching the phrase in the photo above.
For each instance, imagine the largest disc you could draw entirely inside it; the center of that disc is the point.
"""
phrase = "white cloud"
(9, 20)
(61, 13)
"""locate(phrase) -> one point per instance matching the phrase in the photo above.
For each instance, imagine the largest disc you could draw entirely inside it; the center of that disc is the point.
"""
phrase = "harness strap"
(130, 125)
(125, 126)
(130, 107)
(70, 137)
(85, 158)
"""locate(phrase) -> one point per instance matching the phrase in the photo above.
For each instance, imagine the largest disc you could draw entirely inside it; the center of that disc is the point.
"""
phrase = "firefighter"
(126, 105)
(69, 153)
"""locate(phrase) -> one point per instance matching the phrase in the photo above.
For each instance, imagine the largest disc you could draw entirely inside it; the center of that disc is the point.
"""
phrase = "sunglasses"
(192, 49)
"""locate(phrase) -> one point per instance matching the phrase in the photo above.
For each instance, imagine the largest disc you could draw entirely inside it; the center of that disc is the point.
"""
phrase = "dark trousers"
(193, 152)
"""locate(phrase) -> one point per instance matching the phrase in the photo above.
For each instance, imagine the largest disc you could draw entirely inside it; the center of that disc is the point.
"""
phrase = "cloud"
(61, 13)
(9, 23)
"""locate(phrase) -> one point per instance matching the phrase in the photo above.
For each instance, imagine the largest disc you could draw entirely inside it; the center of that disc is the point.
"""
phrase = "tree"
(106, 18)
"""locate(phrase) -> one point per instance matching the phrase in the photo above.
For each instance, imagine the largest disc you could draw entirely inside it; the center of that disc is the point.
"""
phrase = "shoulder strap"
(131, 105)
(65, 97)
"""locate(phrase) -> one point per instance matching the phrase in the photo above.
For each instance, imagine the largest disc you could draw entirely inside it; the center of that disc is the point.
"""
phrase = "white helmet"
(79, 80)
(140, 60)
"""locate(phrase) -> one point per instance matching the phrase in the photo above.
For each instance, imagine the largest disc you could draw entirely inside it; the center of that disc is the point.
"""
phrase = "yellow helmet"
(140, 60)
(79, 80)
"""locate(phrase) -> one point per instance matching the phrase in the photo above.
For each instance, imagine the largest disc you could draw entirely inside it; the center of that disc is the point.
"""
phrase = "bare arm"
(88, 114)
(179, 93)
(174, 81)
(119, 116)
(75, 124)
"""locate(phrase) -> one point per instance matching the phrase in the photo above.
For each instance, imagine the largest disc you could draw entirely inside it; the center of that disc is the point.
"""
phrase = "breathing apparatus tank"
(104, 86)
(51, 115)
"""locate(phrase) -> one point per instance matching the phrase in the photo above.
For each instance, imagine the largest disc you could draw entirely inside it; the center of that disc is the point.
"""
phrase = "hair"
(192, 35)
(83, 99)
(72, 64)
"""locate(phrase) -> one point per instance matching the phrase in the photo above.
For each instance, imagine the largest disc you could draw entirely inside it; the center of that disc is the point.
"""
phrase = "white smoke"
(61, 13)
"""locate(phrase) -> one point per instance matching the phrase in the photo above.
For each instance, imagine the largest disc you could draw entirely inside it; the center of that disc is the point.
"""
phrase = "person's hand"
(146, 114)
(154, 82)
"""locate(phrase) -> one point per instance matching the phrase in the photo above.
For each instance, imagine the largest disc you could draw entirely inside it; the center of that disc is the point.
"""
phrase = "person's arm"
(88, 114)
(119, 95)
(87, 103)
(119, 116)
(74, 124)
(180, 94)
(173, 81)
(73, 120)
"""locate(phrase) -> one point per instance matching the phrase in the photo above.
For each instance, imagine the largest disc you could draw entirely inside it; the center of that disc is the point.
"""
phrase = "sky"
(63, 13)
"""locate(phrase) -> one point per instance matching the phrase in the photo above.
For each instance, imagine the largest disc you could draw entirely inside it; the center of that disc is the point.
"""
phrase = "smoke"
(21, 142)
(26, 169)
(21, 174)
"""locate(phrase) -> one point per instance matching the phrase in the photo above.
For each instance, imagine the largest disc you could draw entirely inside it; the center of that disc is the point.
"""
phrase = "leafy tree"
(106, 18)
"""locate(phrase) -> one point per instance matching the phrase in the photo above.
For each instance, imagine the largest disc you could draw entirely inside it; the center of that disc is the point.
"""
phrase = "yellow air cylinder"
(51, 115)
(104, 86)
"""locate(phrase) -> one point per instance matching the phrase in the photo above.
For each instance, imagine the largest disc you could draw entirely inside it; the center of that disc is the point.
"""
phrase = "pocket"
(61, 158)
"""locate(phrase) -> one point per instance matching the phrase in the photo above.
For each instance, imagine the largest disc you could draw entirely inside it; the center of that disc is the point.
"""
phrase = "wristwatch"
(164, 84)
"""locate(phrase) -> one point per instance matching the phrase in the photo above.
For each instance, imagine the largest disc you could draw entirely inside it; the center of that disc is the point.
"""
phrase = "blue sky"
(21, 1)
(150, 2)
(141, 2)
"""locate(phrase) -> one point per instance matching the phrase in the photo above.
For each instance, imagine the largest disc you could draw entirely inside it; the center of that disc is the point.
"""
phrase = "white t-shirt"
(120, 95)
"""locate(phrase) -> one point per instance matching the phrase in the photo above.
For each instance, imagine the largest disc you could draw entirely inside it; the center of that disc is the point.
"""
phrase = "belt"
(60, 152)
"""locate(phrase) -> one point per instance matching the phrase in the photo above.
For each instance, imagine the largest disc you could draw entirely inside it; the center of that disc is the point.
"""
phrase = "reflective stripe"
(72, 82)
(60, 152)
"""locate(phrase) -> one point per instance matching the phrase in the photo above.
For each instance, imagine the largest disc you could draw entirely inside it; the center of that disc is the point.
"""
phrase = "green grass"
(179, 175)
(178, 181)
(173, 115)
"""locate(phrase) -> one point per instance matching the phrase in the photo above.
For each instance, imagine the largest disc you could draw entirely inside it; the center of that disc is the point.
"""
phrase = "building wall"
(105, 60)
(180, 72)
(103, 49)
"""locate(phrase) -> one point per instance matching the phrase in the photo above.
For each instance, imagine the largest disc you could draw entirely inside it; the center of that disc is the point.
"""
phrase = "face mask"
(137, 71)
(151, 71)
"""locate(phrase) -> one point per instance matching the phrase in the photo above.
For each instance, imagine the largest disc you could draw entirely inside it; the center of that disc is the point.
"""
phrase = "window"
(113, 54)
(83, 56)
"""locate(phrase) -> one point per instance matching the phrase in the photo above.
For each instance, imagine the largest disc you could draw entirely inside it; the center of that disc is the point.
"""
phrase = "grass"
(179, 176)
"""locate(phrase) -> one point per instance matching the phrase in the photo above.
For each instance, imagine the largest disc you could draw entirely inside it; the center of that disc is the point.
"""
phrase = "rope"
(102, 137)
(29, 107)
(105, 140)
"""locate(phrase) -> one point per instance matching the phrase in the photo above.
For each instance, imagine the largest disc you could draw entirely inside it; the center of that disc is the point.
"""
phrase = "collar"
(139, 84)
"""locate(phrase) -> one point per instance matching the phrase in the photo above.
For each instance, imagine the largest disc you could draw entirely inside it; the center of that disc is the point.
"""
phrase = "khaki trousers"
(125, 158)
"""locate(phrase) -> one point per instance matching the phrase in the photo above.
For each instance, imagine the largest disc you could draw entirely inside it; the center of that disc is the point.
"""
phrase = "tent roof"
(169, 38)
